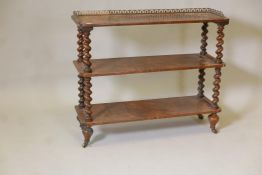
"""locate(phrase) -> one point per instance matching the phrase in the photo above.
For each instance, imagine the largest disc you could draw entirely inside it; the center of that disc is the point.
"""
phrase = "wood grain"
(106, 113)
(131, 65)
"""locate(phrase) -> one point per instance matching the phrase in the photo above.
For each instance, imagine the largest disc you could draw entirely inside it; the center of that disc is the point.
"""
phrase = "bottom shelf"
(106, 113)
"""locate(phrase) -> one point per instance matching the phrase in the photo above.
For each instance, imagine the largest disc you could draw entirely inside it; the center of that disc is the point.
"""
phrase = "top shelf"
(99, 18)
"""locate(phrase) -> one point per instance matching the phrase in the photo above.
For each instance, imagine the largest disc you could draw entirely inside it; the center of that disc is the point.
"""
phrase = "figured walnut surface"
(98, 18)
(130, 65)
(106, 113)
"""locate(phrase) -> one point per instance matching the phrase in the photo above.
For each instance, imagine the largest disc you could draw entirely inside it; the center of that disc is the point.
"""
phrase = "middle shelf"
(142, 64)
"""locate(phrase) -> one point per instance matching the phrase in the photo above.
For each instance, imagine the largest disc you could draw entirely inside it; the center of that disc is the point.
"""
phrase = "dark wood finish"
(131, 65)
(202, 53)
(81, 92)
(83, 56)
(220, 42)
(88, 98)
(80, 59)
(128, 111)
(85, 85)
(87, 80)
(201, 81)
(80, 45)
(204, 39)
(106, 113)
(218, 60)
(138, 17)
(216, 84)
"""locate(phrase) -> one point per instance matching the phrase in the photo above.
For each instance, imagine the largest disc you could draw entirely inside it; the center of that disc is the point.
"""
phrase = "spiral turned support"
(216, 88)
(81, 91)
(85, 85)
(87, 49)
(80, 45)
(213, 118)
(220, 43)
(88, 98)
(219, 56)
(80, 59)
(201, 76)
(201, 81)
(204, 39)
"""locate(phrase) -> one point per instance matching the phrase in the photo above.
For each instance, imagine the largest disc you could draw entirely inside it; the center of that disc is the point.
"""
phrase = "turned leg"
(201, 76)
(87, 132)
(213, 120)
(84, 95)
(85, 85)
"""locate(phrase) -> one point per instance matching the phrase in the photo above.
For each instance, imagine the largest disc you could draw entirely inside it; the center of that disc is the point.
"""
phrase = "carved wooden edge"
(148, 11)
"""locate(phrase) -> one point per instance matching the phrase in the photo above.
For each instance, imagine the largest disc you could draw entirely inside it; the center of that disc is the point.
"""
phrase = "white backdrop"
(38, 90)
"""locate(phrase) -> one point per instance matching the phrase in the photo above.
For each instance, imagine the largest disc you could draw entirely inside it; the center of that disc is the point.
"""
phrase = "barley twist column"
(87, 80)
(220, 43)
(87, 49)
(219, 56)
(80, 59)
(202, 71)
(80, 45)
(85, 83)
(213, 118)
(204, 39)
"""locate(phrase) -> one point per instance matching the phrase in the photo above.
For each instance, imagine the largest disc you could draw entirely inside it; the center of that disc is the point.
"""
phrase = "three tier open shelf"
(98, 114)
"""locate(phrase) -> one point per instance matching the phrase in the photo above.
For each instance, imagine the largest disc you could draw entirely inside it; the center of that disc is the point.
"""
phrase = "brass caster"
(85, 144)
(214, 131)
(213, 119)
(200, 116)
(87, 132)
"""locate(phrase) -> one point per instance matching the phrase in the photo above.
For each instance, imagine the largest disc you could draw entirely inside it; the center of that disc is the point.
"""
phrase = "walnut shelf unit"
(105, 113)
